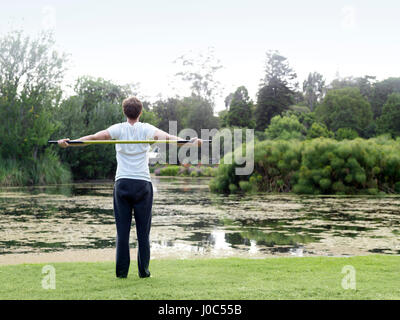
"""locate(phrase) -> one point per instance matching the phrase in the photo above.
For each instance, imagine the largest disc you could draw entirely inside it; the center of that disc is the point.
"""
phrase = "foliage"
(297, 109)
(87, 113)
(31, 71)
(382, 90)
(192, 112)
(275, 164)
(319, 130)
(285, 128)
(149, 116)
(198, 114)
(32, 111)
(346, 133)
(186, 171)
(200, 72)
(345, 108)
(277, 69)
(48, 170)
(389, 121)
(223, 119)
(365, 84)
(12, 173)
(318, 166)
(313, 89)
(276, 91)
(168, 171)
(168, 110)
(240, 109)
(273, 99)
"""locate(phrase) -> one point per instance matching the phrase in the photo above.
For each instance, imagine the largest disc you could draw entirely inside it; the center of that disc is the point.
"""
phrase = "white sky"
(136, 41)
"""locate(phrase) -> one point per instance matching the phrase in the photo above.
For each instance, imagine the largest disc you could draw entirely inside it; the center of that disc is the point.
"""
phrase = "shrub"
(318, 130)
(169, 171)
(346, 133)
(11, 174)
(47, 169)
(285, 128)
(317, 166)
(183, 171)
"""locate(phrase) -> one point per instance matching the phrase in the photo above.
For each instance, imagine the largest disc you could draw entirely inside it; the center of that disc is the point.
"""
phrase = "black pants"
(136, 195)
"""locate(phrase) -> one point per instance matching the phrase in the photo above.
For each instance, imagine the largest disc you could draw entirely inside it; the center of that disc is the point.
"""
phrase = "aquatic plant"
(317, 166)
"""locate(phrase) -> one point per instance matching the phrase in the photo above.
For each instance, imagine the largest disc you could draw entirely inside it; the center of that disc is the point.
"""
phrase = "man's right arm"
(101, 135)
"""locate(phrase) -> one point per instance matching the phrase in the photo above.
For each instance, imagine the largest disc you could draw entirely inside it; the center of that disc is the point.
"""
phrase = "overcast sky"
(136, 41)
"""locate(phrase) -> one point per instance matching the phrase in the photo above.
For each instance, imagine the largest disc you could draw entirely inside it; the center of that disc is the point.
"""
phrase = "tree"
(277, 68)
(200, 72)
(346, 134)
(240, 109)
(228, 100)
(345, 108)
(305, 117)
(272, 99)
(223, 118)
(364, 84)
(198, 114)
(285, 128)
(168, 110)
(149, 116)
(382, 90)
(277, 89)
(313, 89)
(389, 121)
(95, 106)
(95, 91)
(31, 72)
(319, 130)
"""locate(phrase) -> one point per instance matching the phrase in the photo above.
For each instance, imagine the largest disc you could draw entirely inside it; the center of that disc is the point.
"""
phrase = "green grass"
(377, 277)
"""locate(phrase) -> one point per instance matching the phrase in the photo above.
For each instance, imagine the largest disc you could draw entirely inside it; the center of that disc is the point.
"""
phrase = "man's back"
(132, 159)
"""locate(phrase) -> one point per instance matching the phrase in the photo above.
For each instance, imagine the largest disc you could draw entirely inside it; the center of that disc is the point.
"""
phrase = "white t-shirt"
(132, 159)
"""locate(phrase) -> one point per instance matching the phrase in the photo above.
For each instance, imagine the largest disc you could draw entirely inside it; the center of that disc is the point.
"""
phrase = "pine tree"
(276, 90)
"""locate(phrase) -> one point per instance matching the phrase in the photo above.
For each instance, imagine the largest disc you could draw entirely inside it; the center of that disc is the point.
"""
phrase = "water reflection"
(188, 219)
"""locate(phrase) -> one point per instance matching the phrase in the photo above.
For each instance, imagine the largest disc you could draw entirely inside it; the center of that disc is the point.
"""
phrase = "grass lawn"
(377, 277)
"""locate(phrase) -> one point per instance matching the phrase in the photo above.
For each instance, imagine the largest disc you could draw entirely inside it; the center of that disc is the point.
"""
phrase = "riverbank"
(232, 278)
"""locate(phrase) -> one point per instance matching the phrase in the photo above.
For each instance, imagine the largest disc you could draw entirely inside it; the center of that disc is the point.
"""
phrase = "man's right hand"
(63, 143)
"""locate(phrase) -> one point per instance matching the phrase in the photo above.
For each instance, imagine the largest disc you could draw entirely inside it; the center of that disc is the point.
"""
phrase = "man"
(133, 189)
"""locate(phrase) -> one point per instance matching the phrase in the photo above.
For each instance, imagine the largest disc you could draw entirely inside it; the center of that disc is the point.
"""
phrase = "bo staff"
(124, 141)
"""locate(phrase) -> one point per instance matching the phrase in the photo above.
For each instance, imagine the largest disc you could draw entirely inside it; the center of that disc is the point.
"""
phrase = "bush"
(169, 171)
(11, 174)
(183, 171)
(285, 128)
(346, 133)
(318, 166)
(319, 130)
(47, 169)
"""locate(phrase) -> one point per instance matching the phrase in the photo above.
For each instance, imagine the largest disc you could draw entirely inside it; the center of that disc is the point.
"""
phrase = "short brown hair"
(132, 107)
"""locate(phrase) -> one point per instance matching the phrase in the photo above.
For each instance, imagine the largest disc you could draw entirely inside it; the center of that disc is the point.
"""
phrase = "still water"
(188, 220)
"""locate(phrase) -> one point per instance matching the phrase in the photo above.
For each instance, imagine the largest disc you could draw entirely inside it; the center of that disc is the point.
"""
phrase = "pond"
(189, 221)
